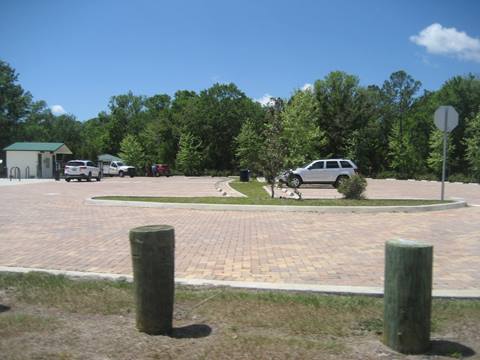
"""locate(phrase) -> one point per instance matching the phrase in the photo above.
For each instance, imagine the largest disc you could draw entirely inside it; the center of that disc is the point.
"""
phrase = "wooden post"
(408, 296)
(153, 250)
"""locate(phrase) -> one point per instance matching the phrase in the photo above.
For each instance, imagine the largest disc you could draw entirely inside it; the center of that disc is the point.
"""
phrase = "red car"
(163, 169)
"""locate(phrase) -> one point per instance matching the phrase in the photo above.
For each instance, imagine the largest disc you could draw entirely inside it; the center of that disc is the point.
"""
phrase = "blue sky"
(77, 54)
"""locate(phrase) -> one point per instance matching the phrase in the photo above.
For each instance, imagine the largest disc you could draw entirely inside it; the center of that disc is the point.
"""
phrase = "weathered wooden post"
(408, 296)
(153, 250)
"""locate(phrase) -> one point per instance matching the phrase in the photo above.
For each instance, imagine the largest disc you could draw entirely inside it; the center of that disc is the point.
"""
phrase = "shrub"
(460, 178)
(353, 188)
(386, 175)
(430, 177)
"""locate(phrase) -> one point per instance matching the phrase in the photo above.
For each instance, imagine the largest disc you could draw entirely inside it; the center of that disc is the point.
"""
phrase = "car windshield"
(120, 163)
(75, 163)
(304, 166)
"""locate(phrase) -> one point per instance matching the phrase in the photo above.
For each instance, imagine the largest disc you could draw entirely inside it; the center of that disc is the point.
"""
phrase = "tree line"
(387, 130)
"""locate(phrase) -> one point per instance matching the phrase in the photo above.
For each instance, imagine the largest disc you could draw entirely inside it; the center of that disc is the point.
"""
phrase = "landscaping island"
(256, 195)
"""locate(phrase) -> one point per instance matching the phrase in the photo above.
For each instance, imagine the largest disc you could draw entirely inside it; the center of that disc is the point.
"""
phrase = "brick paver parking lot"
(49, 225)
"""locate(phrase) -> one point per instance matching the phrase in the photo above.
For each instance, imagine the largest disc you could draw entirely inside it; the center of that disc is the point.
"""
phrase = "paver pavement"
(49, 225)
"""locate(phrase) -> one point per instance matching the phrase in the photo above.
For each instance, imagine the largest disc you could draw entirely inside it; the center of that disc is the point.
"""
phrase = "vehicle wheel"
(99, 178)
(67, 179)
(339, 180)
(296, 182)
(131, 176)
(89, 177)
(121, 174)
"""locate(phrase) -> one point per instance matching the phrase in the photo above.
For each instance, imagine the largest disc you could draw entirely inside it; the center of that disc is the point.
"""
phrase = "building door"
(39, 166)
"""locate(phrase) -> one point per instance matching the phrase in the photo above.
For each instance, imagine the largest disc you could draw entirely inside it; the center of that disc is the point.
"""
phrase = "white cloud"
(308, 87)
(265, 100)
(57, 110)
(448, 41)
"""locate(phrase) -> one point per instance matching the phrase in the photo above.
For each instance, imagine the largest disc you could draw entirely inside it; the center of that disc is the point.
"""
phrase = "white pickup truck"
(115, 168)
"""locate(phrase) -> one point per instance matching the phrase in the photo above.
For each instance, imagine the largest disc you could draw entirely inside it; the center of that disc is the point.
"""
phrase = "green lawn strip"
(287, 313)
(258, 196)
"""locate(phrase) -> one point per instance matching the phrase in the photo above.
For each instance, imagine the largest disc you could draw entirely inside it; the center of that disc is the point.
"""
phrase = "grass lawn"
(256, 195)
(52, 317)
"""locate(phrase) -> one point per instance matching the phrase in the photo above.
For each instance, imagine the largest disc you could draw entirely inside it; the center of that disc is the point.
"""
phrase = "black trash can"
(245, 175)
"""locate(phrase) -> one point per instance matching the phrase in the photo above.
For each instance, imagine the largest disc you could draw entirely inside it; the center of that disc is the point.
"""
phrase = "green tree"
(126, 117)
(303, 138)
(190, 158)
(463, 93)
(398, 97)
(14, 104)
(341, 110)
(404, 157)
(435, 159)
(67, 129)
(93, 139)
(273, 150)
(215, 117)
(131, 151)
(472, 142)
(37, 125)
(249, 146)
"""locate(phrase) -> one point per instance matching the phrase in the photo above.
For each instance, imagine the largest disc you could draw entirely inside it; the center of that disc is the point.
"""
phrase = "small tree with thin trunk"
(273, 151)
(131, 151)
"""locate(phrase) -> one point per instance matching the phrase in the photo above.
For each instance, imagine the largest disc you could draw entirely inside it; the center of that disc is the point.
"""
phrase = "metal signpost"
(446, 119)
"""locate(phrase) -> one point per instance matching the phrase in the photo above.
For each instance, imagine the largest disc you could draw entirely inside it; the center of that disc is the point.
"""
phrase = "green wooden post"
(153, 250)
(408, 296)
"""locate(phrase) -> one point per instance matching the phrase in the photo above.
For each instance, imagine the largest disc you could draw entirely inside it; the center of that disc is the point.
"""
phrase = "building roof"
(108, 158)
(38, 146)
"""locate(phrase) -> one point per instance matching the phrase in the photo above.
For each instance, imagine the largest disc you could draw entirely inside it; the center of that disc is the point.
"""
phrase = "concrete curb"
(282, 208)
(324, 289)
(225, 185)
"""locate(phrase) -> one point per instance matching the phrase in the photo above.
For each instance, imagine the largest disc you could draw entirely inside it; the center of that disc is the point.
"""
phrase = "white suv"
(81, 169)
(329, 171)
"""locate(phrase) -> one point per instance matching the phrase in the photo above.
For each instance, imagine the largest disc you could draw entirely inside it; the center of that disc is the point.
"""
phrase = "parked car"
(327, 171)
(115, 168)
(163, 169)
(81, 169)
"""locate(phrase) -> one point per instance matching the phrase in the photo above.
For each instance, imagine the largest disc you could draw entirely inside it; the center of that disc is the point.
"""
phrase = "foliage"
(341, 109)
(302, 136)
(249, 145)
(190, 158)
(131, 152)
(460, 178)
(404, 156)
(435, 160)
(353, 187)
(273, 150)
(14, 104)
(382, 128)
(472, 142)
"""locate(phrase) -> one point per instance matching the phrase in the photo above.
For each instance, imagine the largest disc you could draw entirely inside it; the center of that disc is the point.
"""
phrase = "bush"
(353, 188)
(386, 175)
(429, 177)
(460, 178)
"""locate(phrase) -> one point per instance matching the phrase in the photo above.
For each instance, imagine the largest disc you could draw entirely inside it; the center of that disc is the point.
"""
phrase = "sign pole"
(444, 153)
(445, 119)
